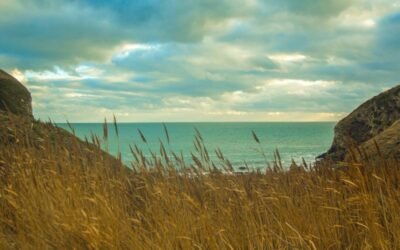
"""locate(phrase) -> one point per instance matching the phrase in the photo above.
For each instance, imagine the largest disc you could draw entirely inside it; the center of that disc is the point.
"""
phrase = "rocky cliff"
(375, 120)
(19, 128)
(14, 97)
(386, 144)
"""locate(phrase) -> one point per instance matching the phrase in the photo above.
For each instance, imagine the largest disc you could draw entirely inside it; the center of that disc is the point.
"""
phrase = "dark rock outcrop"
(14, 97)
(367, 123)
(385, 144)
(19, 128)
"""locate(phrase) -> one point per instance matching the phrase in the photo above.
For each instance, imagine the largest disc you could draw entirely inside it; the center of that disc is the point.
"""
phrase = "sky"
(200, 60)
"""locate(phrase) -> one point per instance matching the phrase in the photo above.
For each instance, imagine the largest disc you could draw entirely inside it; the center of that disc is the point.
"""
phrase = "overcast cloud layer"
(200, 60)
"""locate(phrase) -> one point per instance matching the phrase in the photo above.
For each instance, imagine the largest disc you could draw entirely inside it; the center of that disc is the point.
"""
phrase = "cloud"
(19, 76)
(287, 58)
(327, 8)
(387, 36)
(69, 32)
(228, 59)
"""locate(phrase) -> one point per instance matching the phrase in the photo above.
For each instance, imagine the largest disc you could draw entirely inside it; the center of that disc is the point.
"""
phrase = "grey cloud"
(66, 32)
(327, 8)
(205, 49)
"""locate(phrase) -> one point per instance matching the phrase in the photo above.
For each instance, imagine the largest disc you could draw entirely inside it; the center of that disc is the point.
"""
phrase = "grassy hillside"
(58, 197)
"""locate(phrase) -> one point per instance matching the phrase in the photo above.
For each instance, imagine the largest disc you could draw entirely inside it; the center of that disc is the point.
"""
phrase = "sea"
(293, 140)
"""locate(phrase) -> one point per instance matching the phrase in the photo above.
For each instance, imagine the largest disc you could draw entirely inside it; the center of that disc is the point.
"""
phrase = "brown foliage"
(55, 197)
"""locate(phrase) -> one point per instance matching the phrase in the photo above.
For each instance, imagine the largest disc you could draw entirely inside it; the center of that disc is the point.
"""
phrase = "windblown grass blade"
(71, 127)
(255, 137)
(105, 129)
(142, 136)
(166, 133)
(115, 126)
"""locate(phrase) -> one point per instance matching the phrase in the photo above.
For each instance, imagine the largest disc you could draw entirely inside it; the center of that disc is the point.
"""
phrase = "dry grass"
(52, 197)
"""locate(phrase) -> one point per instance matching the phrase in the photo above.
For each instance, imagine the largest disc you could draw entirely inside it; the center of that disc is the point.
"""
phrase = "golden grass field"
(58, 197)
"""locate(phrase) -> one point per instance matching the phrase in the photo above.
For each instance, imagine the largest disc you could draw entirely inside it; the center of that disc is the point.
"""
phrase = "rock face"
(388, 143)
(371, 121)
(14, 97)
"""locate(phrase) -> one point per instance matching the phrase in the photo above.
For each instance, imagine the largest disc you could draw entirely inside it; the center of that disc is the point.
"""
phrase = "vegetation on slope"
(54, 196)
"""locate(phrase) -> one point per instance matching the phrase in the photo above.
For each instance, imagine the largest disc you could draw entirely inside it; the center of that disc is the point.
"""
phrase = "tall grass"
(54, 196)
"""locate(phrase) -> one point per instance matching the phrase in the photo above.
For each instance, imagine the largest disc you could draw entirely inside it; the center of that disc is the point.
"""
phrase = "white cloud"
(88, 71)
(187, 102)
(369, 23)
(80, 95)
(125, 50)
(287, 58)
(297, 83)
(81, 72)
(50, 75)
(280, 94)
(364, 15)
(338, 61)
(17, 74)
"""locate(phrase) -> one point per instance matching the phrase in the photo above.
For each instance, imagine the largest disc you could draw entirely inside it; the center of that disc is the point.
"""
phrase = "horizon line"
(169, 122)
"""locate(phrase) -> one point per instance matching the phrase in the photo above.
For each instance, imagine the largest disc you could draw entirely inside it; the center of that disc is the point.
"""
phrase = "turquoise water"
(293, 140)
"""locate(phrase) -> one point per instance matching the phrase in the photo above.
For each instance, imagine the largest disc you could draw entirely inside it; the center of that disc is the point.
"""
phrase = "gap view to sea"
(294, 140)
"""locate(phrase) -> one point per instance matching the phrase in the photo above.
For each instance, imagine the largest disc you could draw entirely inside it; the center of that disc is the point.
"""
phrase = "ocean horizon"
(293, 140)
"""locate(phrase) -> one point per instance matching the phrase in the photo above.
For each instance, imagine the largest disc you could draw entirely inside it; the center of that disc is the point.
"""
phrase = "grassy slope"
(53, 196)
